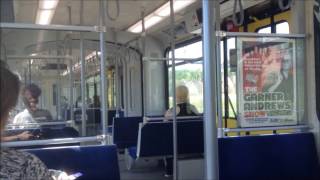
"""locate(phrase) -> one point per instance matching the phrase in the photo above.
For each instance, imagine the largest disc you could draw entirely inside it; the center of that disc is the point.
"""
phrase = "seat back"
(112, 115)
(156, 138)
(290, 156)
(94, 162)
(125, 131)
(94, 115)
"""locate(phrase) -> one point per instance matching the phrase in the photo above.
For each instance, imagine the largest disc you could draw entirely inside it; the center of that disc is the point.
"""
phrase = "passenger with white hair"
(184, 108)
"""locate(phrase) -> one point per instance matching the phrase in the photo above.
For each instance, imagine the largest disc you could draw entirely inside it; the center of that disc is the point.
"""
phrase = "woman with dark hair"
(15, 164)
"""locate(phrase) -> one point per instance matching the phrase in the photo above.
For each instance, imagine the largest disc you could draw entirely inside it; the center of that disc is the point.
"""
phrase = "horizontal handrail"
(38, 57)
(296, 127)
(99, 138)
(41, 123)
(178, 117)
(50, 27)
(250, 34)
(170, 59)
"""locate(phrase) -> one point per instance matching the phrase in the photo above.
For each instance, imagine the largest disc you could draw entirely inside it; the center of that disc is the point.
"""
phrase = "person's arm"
(22, 136)
(36, 169)
(194, 109)
(169, 113)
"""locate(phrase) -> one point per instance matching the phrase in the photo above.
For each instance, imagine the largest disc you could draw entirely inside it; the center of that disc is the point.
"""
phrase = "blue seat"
(125, 131)
(156, 138)
(112, 115)
(94, 162)
(283, 157)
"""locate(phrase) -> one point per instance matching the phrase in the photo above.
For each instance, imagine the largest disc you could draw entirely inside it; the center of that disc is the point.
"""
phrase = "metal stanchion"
(210, 91)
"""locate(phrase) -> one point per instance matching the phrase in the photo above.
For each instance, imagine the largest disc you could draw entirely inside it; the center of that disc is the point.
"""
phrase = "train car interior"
(165, 89)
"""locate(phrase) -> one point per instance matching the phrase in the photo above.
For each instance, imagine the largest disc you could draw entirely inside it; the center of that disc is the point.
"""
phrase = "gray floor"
(143, 170)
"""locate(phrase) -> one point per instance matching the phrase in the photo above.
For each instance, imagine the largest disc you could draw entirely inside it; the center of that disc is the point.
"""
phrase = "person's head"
(182, 94)
(31, 95)
(10, 87)
(286, 62)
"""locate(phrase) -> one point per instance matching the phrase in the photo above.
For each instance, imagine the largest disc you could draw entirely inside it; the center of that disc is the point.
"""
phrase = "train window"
(282, 28)
(265, 30)
(231, 98)
(188, 73)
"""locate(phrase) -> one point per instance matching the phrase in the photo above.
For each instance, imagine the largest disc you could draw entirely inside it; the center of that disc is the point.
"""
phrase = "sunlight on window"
(189, 74)
(282, 28)
(265, 30)
(190, 51)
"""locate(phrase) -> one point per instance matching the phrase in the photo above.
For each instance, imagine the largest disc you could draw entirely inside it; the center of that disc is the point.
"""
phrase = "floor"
(143, 170)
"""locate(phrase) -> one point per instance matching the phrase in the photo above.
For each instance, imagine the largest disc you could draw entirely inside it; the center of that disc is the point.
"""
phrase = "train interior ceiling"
(107, 74)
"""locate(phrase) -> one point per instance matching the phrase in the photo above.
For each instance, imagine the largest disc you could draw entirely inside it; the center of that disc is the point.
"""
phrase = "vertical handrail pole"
(83, 87)
(29, 69)
(219, 82)
(59, 89)
(173, 47)
(69, 45)
(71, 89)
(103, 71)
(210, 91)
(225, 81)
(143, 44)
(83, 83)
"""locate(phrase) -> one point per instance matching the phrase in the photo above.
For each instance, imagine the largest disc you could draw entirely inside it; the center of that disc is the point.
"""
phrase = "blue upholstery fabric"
(125, 131)
(112, 115)
(133, 152)
(94, 162)
(157, 138)
(272, 157)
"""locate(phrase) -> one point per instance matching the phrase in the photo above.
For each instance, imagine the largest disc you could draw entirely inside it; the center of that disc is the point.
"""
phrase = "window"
(282, 28)
(265, 30)
(230, 99)
(188, 74)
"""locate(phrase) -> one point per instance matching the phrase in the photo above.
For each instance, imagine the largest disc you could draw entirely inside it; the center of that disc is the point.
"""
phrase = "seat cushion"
(94, 162)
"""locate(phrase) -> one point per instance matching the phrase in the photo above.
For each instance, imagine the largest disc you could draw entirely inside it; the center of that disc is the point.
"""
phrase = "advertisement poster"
(267, 82)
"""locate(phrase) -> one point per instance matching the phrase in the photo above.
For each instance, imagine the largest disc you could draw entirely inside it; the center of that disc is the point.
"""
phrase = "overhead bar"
(170, 59)
(38, 57)
(210, 90)
(250, 34)
(99, 138)
(49, 27)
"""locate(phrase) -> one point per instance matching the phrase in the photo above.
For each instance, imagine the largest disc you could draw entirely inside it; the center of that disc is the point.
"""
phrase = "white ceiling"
(130, 10)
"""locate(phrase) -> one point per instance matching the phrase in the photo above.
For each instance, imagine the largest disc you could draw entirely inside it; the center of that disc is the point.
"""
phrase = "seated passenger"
(32, 114)
(15, 164)
(26, 135)
(183, 108)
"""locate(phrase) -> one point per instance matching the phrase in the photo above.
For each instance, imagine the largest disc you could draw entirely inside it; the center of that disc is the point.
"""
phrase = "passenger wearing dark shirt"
(183, 108)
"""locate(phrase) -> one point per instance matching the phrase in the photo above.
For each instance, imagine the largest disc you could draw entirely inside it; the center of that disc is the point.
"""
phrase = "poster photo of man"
(267, 87)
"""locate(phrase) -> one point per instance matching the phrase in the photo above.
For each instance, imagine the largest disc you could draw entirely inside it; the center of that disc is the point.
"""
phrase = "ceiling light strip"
(160, 14)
